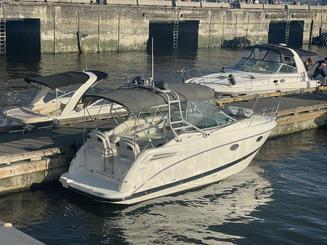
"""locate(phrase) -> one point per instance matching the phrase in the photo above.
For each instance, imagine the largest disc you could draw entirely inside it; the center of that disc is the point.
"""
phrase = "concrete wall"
(123, 27)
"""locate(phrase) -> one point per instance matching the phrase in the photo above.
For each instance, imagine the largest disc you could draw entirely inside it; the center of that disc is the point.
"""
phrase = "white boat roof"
(61, 80)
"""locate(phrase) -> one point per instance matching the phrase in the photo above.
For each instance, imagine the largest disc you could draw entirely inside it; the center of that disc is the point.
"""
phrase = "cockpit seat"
(127, 148)
(48, 108)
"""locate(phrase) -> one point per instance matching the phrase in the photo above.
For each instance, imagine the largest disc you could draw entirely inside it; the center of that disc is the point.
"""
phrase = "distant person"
(320, 73)
(308, 64)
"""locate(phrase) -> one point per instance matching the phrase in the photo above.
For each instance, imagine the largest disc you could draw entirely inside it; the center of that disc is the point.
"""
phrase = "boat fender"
(55, 123)
(231, 79)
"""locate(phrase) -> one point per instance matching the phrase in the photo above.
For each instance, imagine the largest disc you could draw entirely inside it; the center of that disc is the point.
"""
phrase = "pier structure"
(58, 26)
(35, 158)
(12, 236)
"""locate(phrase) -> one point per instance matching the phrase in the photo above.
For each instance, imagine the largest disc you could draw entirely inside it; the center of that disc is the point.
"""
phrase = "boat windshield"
(265, 61)
(204, 115)
(63, 92)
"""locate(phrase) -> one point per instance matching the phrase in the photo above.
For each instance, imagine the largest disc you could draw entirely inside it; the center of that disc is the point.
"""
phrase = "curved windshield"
(257, 66)
(265, 61)
(205, 115)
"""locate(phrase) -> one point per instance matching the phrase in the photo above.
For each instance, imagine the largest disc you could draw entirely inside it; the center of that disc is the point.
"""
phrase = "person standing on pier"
(320, 73)
(308, 64)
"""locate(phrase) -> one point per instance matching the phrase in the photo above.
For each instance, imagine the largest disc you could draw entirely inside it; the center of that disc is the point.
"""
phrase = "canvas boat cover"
(138, 98)
(305, 53)
(283, 50)
(69, 78)
(277, 48)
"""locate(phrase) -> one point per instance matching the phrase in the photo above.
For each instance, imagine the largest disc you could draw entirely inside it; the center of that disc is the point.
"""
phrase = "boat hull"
(211, 160)
(195, 182)
(260, 85)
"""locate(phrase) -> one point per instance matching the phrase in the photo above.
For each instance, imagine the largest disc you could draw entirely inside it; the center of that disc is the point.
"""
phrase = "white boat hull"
(260, 85)
(198, 162)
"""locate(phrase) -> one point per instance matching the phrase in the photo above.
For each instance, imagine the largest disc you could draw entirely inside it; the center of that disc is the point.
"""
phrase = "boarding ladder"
(175, 34)
(287, 28)
(287, 32)
(2, 31)
(178, 122)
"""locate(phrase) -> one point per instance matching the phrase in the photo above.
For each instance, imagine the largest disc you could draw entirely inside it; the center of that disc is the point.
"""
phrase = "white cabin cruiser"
(263, 68)
(174, 139)
(58, 100)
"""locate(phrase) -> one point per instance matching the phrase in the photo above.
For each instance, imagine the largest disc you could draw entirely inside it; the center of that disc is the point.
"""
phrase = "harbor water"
(279, 199)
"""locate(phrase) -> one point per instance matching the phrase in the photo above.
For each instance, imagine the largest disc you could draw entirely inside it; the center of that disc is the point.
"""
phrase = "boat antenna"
(152, 64)
(85, 67)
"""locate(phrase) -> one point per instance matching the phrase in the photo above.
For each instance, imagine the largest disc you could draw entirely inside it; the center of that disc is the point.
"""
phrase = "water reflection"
(196, 216)
(292, 146)
(193, 217)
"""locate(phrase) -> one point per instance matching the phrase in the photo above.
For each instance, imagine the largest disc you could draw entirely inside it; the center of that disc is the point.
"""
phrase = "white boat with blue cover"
(174, 139)
(263, 68)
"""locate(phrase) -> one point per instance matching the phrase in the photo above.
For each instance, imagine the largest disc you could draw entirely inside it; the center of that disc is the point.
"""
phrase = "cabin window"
(287, 69)
(259, 138)
(234, 147)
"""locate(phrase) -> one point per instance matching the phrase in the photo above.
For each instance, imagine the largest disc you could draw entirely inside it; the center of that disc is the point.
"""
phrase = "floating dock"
(34, 158)
(11, 236)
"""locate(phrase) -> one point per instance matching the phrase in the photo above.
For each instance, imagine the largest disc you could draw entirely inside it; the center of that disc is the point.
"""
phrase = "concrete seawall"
(68, 27)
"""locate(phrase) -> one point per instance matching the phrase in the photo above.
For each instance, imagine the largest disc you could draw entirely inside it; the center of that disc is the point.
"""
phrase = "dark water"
(280, 199)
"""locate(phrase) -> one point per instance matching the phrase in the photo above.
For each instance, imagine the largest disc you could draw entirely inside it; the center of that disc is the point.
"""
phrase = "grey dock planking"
(12, 236)
(43, 155)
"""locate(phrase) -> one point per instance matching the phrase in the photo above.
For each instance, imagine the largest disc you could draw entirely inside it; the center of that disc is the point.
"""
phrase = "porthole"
(234, 147)
(259, 138)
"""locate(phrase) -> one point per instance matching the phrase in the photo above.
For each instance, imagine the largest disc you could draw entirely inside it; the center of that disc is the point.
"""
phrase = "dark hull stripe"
(170, 185)
(203, 152)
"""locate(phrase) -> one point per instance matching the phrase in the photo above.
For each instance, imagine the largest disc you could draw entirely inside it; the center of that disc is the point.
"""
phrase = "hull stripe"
(170, 185)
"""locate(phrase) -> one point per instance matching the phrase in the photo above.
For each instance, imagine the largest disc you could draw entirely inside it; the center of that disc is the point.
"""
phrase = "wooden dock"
(34, 158)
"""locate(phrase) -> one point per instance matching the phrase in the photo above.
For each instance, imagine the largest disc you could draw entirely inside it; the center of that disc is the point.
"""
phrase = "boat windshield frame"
(160, 115)
(266, 61)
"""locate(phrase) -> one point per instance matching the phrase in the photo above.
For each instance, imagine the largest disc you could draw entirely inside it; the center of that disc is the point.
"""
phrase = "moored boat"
(58, 100)
(175, 139)
(263, 68)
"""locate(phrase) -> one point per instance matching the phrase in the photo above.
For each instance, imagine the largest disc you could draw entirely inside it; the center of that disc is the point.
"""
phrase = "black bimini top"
(278, 48)
(138, 98)
(283, 50)
(69, 78)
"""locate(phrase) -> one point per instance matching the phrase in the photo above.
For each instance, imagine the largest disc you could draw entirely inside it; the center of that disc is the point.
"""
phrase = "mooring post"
(310, 33)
